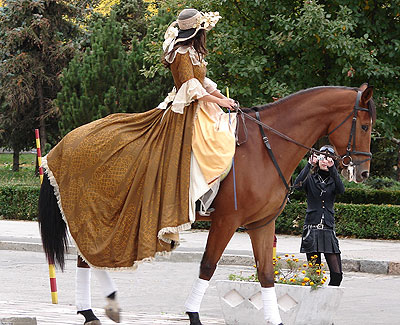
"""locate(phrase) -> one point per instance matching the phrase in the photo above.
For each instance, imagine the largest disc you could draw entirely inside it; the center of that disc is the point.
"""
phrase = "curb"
(18, 321)
(349, 265)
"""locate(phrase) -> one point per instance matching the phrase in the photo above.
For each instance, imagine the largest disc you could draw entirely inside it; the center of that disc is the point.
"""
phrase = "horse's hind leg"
(262, 240)
(218, 237)
(109, 291)
(83, 294)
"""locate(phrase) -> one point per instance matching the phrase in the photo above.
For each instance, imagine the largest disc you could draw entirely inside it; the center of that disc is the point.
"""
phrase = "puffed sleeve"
(209, 85)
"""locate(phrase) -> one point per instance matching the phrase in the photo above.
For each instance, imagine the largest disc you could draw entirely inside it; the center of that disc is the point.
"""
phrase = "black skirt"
(316, 240)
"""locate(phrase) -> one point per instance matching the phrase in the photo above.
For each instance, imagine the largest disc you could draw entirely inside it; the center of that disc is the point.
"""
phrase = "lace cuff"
(187, 93)
(209, 85)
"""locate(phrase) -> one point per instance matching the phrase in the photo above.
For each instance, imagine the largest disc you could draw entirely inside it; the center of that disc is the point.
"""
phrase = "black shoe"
(194, 318)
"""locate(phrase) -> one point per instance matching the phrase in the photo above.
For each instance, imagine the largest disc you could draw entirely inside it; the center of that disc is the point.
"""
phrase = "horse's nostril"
(365, 174)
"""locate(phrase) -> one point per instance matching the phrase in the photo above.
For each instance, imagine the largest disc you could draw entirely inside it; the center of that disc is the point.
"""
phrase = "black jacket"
(320, 196)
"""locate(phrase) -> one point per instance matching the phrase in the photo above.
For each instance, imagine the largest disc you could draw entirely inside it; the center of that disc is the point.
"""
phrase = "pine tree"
(35, 39)
(107, 79)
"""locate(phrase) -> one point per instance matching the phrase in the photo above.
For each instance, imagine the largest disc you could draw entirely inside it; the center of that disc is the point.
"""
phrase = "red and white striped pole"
(52, 269)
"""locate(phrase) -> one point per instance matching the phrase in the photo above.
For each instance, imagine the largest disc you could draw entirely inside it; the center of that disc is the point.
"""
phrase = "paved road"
(155, 293)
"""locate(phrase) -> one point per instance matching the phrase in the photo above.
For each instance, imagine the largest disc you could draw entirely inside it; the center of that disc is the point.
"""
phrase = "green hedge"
(353, 220)
(19, 202)
(359, 196)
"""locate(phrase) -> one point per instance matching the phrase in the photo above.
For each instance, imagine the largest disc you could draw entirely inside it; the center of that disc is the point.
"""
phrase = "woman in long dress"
(127, 184)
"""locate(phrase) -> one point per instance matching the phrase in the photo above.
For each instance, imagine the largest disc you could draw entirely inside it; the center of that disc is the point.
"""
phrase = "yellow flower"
(280, 278)
(276, 272)
(306, 279)
(292, 255)
(311, 283)
(322, 264)
(309, 264)
(304, 272)
(286, 255)
(305, 265)
(323, 272)
(303, 284)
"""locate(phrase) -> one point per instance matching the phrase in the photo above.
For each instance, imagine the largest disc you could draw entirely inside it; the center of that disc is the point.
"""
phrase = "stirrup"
(206, 213)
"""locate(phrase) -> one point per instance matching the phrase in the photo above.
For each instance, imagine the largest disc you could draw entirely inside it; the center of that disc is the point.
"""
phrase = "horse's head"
(352, 141)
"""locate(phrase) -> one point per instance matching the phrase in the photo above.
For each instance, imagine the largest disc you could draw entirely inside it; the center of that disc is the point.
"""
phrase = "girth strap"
(268, 146)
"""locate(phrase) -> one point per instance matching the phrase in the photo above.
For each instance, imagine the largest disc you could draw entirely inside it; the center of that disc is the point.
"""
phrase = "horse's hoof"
(112, 310)
(194, 318)
(93, 322)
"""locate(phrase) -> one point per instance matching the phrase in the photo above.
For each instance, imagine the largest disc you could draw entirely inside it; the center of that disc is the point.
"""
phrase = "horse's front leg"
(262, 240)
(221, 232)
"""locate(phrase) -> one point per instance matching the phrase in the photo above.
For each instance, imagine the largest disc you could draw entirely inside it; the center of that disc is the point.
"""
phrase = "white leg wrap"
(82, 289)
(106, 283)
(193, 302)
(271, 309)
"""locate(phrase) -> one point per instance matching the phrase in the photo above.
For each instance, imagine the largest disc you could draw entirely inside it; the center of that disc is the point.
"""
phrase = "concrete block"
(394, 268)
(351, 265)
(18, 321)
(242, 304)
(376, 267)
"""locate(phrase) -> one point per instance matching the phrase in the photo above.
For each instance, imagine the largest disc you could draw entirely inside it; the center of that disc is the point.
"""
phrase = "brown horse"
(305, 117)
(344, 114)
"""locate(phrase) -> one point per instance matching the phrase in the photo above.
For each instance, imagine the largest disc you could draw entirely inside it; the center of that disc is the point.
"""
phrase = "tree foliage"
(34, 47)
(107, 79)
(265, 49)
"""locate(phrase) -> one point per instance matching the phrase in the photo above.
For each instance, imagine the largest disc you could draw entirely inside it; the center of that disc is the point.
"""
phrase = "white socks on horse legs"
(271, 309)
(82, 290)
(193, 302)
(106, 283)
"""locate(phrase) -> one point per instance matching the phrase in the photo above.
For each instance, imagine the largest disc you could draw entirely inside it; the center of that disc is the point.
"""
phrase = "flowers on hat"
(208, 20)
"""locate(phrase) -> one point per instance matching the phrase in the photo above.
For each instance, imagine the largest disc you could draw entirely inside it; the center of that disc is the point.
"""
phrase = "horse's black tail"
(53, 229)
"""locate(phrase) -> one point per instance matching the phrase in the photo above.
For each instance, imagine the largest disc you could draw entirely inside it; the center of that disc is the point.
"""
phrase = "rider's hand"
(227, 102)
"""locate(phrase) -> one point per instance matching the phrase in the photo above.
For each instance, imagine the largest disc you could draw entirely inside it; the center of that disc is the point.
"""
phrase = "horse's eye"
(364, 127)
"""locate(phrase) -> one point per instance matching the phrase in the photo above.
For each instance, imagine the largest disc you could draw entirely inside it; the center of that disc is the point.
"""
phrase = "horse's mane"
(371, 104)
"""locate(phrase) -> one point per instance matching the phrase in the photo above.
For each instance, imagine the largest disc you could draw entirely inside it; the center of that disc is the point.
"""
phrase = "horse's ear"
(364, 86)
(367, 95)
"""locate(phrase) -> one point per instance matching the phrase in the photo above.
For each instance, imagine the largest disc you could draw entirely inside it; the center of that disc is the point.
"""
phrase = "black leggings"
(335, 266)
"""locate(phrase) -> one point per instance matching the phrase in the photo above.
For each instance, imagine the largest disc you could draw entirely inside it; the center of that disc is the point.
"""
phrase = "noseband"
(350, 145)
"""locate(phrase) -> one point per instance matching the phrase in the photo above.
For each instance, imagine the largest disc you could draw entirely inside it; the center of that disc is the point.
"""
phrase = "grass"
(26, 174)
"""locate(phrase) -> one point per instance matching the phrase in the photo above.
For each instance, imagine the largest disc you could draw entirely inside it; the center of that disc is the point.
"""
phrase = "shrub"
(354, 220)
(19, 202)
(359, 196)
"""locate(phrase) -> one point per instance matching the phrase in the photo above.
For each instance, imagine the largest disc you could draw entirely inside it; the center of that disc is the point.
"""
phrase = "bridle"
(349, 149)
(350, 145)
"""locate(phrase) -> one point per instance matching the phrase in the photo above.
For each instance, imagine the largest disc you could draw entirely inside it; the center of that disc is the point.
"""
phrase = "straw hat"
(189, 22)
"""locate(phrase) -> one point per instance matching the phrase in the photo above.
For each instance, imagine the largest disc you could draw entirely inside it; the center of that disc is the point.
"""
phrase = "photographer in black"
(321, 181)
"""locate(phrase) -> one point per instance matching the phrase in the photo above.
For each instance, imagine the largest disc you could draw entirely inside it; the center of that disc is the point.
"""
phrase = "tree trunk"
(15, 167)
(398, 163)
(397, 142)
(42, 124)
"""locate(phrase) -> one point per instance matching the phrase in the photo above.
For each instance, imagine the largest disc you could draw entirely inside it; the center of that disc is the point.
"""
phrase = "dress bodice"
(183, 69)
